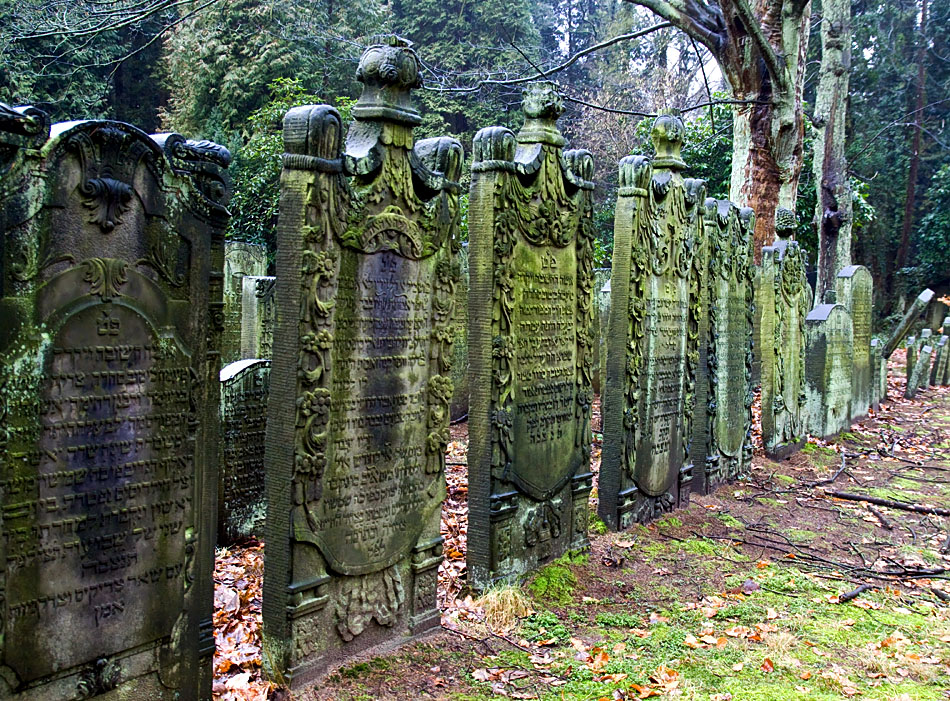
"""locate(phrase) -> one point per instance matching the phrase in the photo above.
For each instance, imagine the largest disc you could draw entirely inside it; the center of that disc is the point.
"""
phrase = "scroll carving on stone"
(655, 327)
(530, 343)
(786, 299)
(108, 411)
(360, 384)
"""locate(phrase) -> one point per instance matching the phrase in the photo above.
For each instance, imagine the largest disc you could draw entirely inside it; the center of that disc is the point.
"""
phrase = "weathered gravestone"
(601, 316)
(878, 367)
(786, 298)
(829, 343)
(730, 284)
(921, 367)
(911, 347)
(531, 344)
(112, 245)
(757, 325)
(926, 338)
(936, 314)
(938, 361)
(241, 505)
(240, 260)
(359, 402)
(945, 367)
(258, 315)
(458, 407)
(908, 320)
(855, 290)
(654, 337)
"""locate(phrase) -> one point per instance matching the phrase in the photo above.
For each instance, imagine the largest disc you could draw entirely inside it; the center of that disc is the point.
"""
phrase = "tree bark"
(760, 48)
(915, 143)
(833, 212)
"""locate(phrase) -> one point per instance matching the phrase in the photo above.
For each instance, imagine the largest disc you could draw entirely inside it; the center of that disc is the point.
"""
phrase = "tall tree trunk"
(834, 208)
(910, 201)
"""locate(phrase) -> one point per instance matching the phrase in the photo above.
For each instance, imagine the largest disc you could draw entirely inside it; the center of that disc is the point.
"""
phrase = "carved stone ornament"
(360, 384)
(653, 348)
(531, 355)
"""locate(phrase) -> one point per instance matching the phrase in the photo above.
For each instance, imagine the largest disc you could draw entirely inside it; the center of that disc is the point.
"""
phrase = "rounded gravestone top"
(668, 134)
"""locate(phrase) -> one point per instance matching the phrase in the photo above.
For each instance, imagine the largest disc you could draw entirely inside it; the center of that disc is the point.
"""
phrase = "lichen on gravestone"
(110, 323)
(855, 290)
(829, 349)
(360, 380)
(656, 321)
(530, 344)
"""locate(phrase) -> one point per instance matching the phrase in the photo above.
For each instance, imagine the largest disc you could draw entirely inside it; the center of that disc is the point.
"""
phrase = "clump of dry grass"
(504, 606)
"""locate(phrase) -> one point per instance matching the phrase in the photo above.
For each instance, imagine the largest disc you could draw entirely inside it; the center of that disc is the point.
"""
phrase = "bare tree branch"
(697, 19)
(774, 65)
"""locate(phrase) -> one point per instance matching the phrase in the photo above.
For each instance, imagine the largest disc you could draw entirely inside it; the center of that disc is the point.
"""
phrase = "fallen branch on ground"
(890, 503)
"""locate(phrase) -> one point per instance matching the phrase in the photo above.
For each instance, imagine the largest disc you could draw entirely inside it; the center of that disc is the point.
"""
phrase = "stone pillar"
(911, 361)
(656, 322)
(531, 344)
(940, 353)
(240, 260)
(110, 324)
(258, 315)
(360, 380)
(921, 369)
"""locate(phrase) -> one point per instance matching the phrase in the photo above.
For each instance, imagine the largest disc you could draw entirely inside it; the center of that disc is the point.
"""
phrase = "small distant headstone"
(240, 260)
(921, 367)
(258, 314)
(728, 232)
(601, 316)
(110, 319)
(909, 319)
(530, 344)
(938, 361)
(937, 312)
(358, 411)
(241, 504)
(786, 299)
(653, 342)
(828, 367)
(877, 367)
(911, 348)
(855, 290)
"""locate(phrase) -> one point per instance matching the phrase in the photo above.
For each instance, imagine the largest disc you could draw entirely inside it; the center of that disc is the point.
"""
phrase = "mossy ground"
(735, 597)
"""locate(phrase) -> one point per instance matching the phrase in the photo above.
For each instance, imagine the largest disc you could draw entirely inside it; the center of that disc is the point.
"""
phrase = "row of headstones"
(928, 359)
(111, 331)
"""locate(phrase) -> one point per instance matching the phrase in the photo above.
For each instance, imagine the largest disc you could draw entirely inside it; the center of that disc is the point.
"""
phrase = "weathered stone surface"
(829, 344)
(855, 290)
(458, 407)
(241, 504)
(936, 369)
(786, 298)
(258, 316)
(921, 367)
(757, 326)
(944, 374)
(926, 338)
(878, 375)
(360, 387)
(531, 344)
(112, 246)
(911, 347)
(909, 319)
(936, 314)
(240, 260)
(654, 338)
(730, 291)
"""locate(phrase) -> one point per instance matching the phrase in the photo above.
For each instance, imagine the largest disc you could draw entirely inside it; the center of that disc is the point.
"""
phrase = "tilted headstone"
(855, 290)
(258, 315)
(240, 260)
(909, 319)
(938, 361)
(110, 318)
(921, 367)
(653, 343)
(458, 407)
(786, 299)
(530, 344)
(241, 504)
(730, 285)
(358, 411)
(829, 343)
(877, 368)
(911, 348)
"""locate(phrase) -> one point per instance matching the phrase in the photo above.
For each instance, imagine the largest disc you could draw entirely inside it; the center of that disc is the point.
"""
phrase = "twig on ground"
(854, 594)
(890, 503)
(887, 525)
